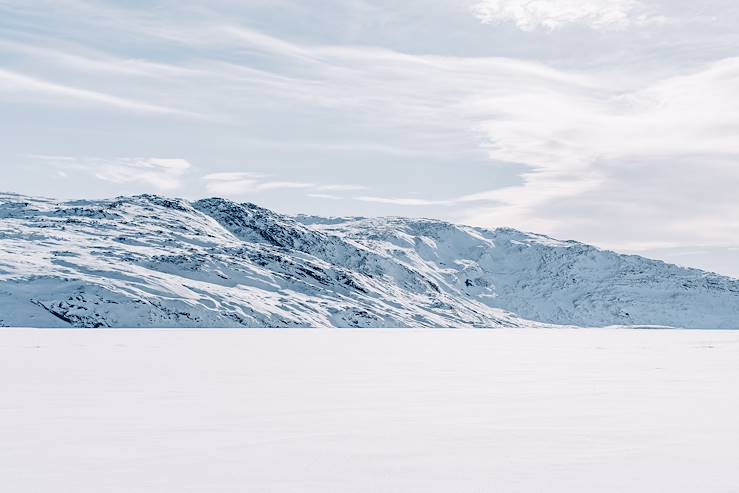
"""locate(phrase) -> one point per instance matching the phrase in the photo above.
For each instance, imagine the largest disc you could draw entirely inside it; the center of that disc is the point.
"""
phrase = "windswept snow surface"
(365, 411)
(149, 261)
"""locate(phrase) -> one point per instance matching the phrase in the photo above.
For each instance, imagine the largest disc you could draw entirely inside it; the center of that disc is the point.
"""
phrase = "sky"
(613, 122)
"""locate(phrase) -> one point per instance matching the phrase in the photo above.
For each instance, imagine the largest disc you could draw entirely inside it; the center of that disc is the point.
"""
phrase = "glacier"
(151, 261)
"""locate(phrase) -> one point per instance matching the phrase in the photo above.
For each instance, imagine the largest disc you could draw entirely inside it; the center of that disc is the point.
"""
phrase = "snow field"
(378, 410)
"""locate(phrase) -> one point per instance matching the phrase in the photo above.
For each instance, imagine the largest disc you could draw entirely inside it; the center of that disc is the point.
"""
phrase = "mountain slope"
(148, 261)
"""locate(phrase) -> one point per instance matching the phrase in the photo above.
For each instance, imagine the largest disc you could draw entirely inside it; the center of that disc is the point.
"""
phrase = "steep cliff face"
(149, 261)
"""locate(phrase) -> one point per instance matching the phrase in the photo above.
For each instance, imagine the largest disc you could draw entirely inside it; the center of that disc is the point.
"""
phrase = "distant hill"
(149, 261)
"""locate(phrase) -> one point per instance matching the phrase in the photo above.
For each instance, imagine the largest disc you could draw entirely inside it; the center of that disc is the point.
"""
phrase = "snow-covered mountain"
(149, 261)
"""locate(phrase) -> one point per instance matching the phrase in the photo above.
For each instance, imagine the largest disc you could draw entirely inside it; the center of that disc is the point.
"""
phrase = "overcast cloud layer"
(614, 122)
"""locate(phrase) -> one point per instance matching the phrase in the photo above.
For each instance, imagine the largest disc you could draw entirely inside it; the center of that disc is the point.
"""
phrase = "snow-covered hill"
(149, 261)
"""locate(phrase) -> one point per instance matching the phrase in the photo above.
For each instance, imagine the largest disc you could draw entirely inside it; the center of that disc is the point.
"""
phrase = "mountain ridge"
(153, 261)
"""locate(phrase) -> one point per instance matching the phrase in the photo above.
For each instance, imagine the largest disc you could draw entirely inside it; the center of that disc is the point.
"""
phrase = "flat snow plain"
(369, 411)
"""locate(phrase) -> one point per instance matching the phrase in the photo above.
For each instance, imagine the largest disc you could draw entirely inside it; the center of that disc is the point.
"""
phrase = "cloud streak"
(239, 184)
(162, 174)
(404, 201)
(12, 82)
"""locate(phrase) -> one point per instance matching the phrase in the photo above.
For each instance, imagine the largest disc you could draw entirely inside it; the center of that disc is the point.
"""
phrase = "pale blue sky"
(614, 122)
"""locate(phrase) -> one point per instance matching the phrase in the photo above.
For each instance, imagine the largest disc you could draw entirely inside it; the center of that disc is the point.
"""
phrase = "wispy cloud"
(597, 151)
(277, 185)
(238, 183)
(234, 176)
(241, 183)
(340, 188)
(230, 184)
(264, 42)
(326, 196)
(554, 14)
(13, 82)
(489, 197)
(404, 201)
(52, 158)
(83, 59)
(162, 174)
